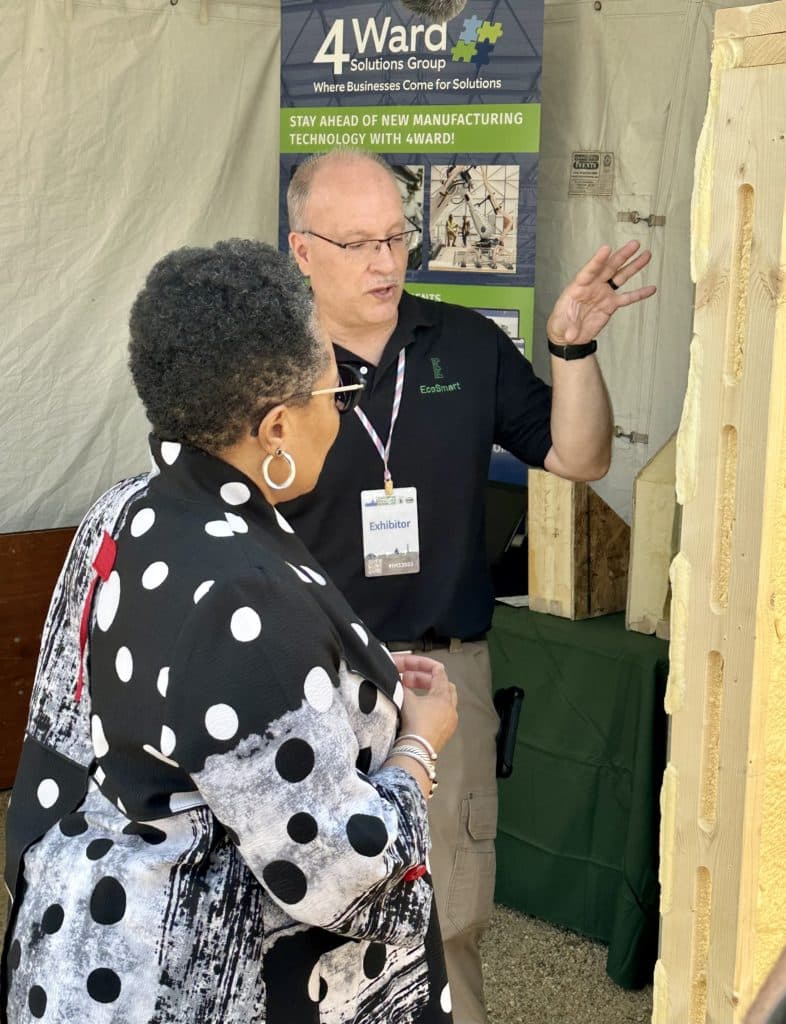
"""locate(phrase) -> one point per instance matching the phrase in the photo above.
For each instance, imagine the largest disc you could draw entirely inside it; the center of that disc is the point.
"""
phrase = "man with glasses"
(442, 385)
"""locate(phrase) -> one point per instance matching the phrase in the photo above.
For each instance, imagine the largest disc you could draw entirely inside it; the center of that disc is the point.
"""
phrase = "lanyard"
(384, 452)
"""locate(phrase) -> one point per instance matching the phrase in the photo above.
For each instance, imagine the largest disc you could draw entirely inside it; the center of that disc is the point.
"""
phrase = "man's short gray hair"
(302, 180)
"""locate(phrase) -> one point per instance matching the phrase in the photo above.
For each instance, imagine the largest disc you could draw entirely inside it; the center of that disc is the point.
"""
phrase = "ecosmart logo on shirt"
(438, 373)
(380, 38)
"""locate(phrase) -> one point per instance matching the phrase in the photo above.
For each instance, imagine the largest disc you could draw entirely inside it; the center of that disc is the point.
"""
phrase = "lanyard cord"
(384, 451)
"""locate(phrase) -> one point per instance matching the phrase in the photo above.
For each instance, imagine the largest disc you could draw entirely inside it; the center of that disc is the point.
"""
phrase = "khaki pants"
(463, 821)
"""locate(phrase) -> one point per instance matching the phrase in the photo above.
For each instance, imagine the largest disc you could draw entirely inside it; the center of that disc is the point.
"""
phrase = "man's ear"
(300, 250)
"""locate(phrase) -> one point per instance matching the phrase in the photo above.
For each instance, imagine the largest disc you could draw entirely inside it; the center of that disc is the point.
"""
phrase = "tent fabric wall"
(127, 128)
(628, 77)
(130, 127)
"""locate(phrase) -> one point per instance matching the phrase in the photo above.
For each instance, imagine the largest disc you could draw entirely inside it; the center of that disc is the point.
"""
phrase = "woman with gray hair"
(220, 810)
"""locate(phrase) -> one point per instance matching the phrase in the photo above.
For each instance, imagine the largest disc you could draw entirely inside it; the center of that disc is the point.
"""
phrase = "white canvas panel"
(628, 77)
(126, 129)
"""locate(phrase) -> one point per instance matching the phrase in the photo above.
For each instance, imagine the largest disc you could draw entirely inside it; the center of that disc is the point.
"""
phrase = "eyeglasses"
(346, 394)
(365, 247)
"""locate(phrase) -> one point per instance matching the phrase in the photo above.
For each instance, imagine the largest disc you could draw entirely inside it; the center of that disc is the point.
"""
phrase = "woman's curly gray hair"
(219, 334)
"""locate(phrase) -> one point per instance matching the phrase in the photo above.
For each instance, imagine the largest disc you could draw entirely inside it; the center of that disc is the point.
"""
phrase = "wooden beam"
(654, 540)
(723, 841)
(578, 549)
(756, 20)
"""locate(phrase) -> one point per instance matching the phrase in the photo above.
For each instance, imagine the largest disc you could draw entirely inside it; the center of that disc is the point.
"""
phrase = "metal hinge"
(652, 220)
(633, 437)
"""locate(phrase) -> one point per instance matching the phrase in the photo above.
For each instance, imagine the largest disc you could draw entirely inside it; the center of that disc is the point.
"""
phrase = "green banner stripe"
(522, 300)
(480, 128)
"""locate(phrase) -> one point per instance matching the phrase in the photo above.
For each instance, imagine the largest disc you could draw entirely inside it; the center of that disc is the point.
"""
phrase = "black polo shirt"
(466, 386)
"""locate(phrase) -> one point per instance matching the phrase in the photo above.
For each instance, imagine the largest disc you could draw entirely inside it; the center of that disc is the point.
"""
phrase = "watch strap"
(572, 351)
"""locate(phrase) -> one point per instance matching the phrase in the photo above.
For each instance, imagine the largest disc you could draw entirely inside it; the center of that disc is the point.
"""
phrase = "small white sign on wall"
(591, 174)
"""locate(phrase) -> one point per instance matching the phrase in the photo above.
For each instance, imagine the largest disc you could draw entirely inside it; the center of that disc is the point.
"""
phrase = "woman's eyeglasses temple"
(346, 396)
(352, 391)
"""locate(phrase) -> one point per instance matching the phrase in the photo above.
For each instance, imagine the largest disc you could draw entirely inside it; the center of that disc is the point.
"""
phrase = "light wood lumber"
(723, 839)
(755, 20)
(761, 50)
(654, 541)
(578, 549)
(550, 521)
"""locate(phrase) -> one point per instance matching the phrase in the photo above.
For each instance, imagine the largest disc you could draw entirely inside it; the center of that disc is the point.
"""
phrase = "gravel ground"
(537, 973)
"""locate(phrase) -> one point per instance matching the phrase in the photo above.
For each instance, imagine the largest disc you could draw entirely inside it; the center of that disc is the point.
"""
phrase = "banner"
(455, 109)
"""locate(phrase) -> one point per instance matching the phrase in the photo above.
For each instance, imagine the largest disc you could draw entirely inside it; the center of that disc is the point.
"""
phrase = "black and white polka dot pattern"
(235, 726)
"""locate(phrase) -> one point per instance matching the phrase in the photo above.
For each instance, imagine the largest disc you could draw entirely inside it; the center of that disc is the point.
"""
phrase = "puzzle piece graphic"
(464, 51)
(483, 54)
(471, 26)
(488, 33)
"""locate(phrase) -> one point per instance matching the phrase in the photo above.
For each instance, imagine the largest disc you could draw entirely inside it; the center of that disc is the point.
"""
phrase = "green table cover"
(579, 818)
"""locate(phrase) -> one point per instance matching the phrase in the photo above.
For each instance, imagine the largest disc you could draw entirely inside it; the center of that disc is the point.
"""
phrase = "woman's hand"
(429, 707)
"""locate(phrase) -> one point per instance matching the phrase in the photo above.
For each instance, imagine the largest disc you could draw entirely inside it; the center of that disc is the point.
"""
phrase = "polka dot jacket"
(202, 829)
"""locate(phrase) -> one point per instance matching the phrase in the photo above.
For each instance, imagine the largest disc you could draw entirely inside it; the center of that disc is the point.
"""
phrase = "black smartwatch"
(572, 351)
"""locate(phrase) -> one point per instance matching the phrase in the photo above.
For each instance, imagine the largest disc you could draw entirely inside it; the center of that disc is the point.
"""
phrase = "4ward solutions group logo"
(377, 38)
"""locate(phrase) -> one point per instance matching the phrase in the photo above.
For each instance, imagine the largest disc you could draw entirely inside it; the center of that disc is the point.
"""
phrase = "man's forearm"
(581, 420)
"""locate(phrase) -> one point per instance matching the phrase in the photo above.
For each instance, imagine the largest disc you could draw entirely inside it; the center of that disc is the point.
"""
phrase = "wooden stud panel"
(723, 842)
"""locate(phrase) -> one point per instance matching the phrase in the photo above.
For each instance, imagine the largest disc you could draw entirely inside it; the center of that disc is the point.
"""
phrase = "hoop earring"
(279, 453)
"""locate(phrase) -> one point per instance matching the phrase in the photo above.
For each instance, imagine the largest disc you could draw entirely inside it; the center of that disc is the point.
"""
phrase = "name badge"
(391, 544)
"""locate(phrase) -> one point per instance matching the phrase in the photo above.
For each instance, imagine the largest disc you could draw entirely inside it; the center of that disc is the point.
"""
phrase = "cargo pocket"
(472, 880)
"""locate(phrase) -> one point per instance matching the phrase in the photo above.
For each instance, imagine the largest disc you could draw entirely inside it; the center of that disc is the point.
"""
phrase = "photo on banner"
(454, 107)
